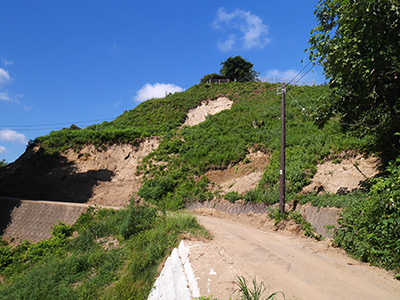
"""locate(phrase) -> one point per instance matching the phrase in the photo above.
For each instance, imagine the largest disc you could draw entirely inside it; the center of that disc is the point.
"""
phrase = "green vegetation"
(246, 292)
(187, 153)
(370, 226)
(256, 293)
(116, 253)
(3, 163)
(357, 43)
(238, 69)
(226, 138)
(309, 230)
(223, 139)
(113, 255)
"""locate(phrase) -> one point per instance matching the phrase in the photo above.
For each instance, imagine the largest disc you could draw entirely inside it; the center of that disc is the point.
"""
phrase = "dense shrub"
(370, 227)
(232, 196)
(154, 190)
(139, 218)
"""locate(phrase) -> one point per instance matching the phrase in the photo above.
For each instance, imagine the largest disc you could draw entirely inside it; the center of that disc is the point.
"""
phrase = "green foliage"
(357, 43)
(225, 138)
(61, 230)
(332, 200)
(3, 163)
(207, 77)
(154, 190)
(139, 218)
(232, 196)
(256, 292)
(309, 230)
(370, 227)
(98, 263)
(238, 69)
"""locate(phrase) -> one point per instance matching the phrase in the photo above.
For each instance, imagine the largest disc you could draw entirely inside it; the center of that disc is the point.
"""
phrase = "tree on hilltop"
(238, 69)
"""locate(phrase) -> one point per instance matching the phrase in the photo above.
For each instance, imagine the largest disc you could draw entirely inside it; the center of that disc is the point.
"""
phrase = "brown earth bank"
(104, 176)
(344, 172)
(243, 176)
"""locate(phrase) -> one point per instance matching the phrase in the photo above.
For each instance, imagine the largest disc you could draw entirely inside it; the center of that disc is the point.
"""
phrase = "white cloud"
(227, 44)
(3, 149)
(243, 27)
(8, 135)
(157, 90)
(7, 62)
(277, 75)
(4, 77)
(14, 99)
(4, 96)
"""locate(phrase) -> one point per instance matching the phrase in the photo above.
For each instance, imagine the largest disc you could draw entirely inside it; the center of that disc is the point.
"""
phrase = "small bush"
(309, 230)
(61, 230)
(232, 196)
(139, 218)
(154, 190)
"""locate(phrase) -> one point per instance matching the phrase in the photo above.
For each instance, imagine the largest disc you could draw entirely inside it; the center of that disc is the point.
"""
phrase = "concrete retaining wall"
(32, 220)
(318, 217)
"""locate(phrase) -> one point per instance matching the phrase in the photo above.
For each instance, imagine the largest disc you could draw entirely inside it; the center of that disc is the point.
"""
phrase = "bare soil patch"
(343, 174)
(243, 176)
(105, 176)
(197, 115)
(123, 161)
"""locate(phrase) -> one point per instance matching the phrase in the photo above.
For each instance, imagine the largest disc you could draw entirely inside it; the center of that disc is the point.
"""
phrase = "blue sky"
(83, 62)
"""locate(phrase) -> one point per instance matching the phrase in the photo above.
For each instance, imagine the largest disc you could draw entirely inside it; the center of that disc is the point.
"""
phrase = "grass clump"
(256, 292)
(308, 229)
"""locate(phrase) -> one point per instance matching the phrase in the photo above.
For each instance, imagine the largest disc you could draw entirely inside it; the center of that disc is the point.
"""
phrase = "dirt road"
(300, 267)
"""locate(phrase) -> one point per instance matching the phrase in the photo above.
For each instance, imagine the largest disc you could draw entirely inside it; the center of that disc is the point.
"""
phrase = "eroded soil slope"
(243, 176)
(343, 174)
(96, 176)
(197, 115)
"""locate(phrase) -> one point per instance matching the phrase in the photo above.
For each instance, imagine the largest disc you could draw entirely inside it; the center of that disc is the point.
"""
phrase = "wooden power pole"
(283, 142)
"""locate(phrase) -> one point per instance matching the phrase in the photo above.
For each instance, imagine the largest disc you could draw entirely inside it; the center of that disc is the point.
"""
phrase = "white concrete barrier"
(176, 281)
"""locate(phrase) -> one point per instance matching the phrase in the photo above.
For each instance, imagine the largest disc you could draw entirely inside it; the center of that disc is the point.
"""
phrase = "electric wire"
(55, 124)
(299, 74)
(305, 73)
(297, 102)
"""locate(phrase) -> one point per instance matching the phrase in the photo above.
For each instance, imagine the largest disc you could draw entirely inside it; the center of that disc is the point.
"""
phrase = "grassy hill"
(173, 175)
(221, 140)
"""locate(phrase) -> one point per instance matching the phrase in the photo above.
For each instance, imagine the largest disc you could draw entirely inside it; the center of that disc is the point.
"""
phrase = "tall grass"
(115, 255)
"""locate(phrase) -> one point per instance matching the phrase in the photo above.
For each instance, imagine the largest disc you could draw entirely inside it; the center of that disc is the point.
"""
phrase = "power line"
(305, 73)
(33, 129)
(53, 124)
(295, 100)
(299, 74)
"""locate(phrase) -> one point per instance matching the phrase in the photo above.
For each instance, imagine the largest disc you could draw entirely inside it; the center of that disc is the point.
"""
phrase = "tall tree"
(358, 44)
(238, 69)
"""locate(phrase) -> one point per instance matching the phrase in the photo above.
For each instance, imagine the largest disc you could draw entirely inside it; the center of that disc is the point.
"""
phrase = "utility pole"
(283, 142)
